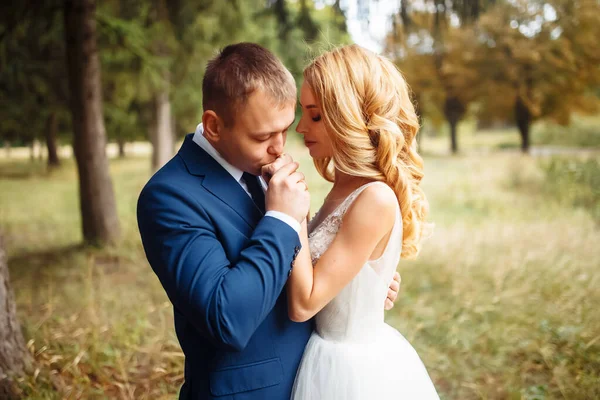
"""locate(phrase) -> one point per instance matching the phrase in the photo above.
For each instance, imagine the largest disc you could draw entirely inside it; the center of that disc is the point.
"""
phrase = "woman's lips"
(309, 143)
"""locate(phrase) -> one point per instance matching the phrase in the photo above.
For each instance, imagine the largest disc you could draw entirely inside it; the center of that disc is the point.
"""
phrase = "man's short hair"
(236, 72)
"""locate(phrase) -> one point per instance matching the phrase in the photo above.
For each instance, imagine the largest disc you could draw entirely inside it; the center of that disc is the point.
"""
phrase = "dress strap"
(341, 210)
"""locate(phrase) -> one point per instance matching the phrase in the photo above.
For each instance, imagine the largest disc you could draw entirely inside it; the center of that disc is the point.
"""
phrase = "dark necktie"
(255, 189)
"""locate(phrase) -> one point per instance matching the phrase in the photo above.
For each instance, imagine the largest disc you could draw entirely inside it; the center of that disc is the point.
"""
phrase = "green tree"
(96, 197)
(306, 22)
(123, 50)
(33, 81)
(165, 46)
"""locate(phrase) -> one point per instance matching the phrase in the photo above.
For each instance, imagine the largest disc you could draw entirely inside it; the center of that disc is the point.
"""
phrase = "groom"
(221, 245)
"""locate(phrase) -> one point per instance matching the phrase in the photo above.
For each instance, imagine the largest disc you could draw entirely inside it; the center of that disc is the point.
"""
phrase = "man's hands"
(269, 170)
(393, 292)
(287, 192)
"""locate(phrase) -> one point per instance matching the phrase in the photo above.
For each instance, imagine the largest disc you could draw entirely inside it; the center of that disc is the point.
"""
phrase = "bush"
(583, 132)
(575, 182)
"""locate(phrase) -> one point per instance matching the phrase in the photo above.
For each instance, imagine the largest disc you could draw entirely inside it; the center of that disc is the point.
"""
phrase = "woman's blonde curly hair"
(371, 121)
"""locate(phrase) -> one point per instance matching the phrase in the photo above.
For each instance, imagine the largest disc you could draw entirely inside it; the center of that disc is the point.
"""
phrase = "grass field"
(583, 134)
(502, 303)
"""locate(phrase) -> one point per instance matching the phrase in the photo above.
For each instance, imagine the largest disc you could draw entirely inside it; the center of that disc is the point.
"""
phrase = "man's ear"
(212, 126)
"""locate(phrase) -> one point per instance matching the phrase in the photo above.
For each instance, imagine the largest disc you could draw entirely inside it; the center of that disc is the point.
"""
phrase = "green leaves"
(140, 43)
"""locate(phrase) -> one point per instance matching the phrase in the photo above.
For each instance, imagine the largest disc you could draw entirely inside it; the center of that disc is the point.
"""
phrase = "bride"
(359, 125)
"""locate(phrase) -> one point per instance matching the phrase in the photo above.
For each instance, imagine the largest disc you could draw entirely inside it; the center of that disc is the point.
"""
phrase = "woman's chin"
(312, 150)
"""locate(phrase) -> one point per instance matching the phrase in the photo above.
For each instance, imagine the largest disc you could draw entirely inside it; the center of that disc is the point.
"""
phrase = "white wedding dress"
(353, 353)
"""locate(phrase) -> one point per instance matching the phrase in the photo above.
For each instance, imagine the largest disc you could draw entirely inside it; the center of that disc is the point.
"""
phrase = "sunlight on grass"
(500, 304)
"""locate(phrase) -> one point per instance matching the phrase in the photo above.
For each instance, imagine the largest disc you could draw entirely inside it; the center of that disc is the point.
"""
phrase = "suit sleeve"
(224, 300)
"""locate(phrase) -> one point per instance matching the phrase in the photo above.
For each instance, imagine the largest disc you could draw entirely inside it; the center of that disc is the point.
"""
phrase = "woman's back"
(358, 308)
(353, 354)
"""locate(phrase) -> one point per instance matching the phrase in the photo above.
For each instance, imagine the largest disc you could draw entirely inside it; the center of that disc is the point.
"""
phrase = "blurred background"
(96, 95)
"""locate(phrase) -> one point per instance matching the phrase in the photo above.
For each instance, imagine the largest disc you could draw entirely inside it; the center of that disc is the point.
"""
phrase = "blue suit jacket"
(224, 267)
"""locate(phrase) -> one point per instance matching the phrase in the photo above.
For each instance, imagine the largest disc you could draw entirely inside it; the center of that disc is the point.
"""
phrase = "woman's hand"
(393, 290)
(269, 170)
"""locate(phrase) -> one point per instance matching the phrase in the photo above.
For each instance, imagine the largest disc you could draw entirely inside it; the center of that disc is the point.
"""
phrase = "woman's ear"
(212, 126)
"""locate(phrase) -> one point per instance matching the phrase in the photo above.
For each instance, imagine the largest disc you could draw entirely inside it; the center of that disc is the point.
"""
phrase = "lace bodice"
(358, 308)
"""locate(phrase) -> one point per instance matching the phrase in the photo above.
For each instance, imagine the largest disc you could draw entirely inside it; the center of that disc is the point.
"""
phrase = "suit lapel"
(218, 181)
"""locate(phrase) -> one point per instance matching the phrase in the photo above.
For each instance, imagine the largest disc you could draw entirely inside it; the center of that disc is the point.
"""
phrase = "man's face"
(258, 135)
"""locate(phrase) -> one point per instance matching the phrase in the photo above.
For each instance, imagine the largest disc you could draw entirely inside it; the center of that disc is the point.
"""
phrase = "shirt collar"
(201, 141)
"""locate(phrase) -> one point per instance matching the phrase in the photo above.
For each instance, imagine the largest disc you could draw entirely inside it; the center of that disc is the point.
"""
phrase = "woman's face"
(311, 125)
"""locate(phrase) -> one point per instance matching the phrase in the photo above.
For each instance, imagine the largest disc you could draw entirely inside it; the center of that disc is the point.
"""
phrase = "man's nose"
(276, 148)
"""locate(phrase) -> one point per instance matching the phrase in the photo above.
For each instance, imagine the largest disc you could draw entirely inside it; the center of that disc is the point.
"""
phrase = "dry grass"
(501, 302)
(500, 305)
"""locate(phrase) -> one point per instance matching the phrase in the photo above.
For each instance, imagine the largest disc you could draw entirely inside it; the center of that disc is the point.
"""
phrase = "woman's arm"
(369, 219)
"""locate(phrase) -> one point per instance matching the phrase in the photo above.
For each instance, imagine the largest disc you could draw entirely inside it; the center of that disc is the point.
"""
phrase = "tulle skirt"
(383, 367)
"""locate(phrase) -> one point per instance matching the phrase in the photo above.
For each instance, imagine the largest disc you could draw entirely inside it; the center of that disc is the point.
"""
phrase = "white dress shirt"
(237, 173)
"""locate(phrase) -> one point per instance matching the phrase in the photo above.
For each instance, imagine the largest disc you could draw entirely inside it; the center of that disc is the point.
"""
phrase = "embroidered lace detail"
(322, 235)
(320, 239)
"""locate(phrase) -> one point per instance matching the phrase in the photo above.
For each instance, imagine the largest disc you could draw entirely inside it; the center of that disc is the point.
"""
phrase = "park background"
(502, 302)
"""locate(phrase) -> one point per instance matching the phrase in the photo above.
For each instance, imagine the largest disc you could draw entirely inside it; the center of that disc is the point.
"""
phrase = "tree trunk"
(32, 151)
(283, 19)
(162, 133)
(121, 144)
(454, 111)
(14, 357)
(51, 128)
(523, 120)
(100, 223)
(453, 139)
(7, 148)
